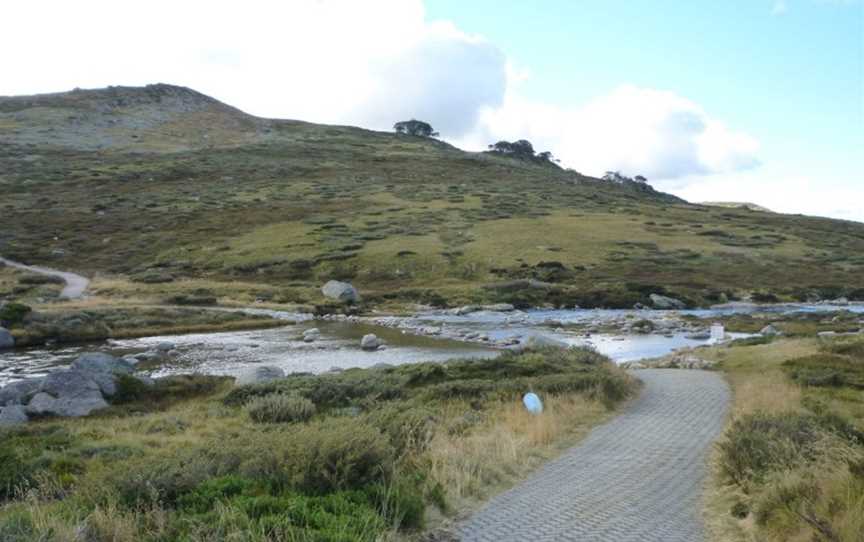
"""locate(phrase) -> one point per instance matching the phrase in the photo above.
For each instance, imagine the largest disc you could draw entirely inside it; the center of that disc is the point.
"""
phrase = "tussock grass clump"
(280, 408)
(758, 444)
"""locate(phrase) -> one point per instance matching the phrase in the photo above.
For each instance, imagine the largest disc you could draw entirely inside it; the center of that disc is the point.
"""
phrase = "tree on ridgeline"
(522, 149)
(415, 128)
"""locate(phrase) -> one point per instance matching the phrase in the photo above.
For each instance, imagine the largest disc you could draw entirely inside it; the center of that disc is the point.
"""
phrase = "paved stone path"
(75, 284)
(636, 478)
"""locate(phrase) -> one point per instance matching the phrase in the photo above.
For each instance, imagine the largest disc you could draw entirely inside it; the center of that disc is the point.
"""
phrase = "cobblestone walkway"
(637, 478)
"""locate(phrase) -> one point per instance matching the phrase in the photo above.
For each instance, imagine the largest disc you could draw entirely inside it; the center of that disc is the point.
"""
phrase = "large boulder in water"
(340, 291)
(6, 339)
(663, 302)
(258, 375)
(370, 342)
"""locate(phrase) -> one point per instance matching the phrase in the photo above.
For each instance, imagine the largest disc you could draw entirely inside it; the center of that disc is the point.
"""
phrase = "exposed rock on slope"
(153, 118)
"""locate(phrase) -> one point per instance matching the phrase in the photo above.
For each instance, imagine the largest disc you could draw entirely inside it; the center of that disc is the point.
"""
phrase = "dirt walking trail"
(638, 477)
(75, 287)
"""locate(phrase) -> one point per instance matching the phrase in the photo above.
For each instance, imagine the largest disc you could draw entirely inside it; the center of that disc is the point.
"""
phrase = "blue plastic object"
(533, 403)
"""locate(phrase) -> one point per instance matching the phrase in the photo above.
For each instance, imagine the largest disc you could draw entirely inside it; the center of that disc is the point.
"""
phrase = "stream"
(427, 336)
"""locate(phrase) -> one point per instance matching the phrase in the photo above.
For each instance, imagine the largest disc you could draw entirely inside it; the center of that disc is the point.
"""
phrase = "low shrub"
(37, 280)
(280, 408)
(12, 314)
(758, 444)
(827, 370)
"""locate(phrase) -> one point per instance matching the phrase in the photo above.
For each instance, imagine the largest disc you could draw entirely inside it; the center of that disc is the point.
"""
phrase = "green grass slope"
(162, 181)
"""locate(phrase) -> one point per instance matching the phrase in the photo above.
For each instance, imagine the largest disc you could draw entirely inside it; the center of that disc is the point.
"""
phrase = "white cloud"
(644, 131)
(370, 63)
(818, 194)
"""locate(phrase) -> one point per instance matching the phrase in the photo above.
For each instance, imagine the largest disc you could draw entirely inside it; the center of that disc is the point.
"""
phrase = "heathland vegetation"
(791, 464)
(355, 455)
(163, 189)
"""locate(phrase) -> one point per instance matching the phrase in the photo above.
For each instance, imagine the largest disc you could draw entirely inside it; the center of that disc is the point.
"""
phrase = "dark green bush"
(280, 408)
(129, 389)
(346, 455)
(40, 279)
(827, 370)
(12, 314)
(753, 341)
(758, 444)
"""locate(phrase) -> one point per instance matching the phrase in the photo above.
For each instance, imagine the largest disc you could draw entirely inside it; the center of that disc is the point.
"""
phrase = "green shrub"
(12, 314)
(40, 279)
(758, 444)
(129, 389)
(280, 408)
(753, 341)
(26, 452)
(344, 455)
(827, 370)
(16, 525)
(410, 429)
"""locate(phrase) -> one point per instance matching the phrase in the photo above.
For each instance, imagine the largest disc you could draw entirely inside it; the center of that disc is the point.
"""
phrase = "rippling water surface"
(229, 353)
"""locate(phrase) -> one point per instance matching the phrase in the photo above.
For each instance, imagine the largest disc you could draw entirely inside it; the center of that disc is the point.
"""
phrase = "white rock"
(370, 342)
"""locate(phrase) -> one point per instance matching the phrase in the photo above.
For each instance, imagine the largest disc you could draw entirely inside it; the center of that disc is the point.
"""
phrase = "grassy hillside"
(164, 184)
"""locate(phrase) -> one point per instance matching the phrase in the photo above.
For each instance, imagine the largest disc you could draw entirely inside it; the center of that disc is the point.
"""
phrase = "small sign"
(533, 403)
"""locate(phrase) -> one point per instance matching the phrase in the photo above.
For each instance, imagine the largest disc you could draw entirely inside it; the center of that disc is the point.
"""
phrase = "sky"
(733, 100)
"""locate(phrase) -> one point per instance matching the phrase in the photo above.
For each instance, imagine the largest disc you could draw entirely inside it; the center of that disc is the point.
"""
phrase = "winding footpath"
(75, 287)
(638, 477)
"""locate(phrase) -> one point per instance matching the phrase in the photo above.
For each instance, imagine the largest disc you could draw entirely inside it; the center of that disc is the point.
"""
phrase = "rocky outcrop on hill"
(154, 118)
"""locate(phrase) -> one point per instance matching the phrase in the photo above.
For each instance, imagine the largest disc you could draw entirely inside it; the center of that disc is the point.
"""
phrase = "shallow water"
(229, 353)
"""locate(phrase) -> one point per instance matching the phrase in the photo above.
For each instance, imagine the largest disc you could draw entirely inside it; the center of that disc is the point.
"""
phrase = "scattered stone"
(41, 404)
(675, 361)
(6, 339)
(542, 341)
(499, 307)
(257, 375)
(370, 342)
(311, 335)
(340, 291)
(68, 383)
(18, 393)
(663, 302)
(102, 369)
(12, 415)
(769, 331)
(165, 347)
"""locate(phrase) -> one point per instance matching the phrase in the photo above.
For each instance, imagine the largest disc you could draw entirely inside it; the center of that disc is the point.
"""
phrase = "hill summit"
(153, 118)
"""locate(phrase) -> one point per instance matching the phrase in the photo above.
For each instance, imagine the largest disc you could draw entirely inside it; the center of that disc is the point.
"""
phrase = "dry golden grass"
(511, 443)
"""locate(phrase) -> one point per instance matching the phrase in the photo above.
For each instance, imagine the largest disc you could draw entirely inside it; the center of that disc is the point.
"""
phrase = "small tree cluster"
(415, 128)
(617, 177)
(523, 150)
